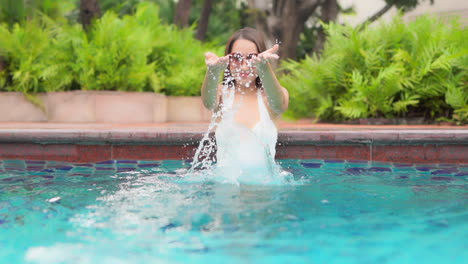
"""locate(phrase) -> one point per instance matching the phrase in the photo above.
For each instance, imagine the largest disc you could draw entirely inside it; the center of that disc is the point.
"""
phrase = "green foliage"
(26, 50)
(12, 11)
(394, 70)
(181, 61)
(17, 11)
(114, 57)
(130, 53)
(225, 18)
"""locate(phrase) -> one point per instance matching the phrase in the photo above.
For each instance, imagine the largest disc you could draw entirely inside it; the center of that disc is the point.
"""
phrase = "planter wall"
(14, 107)
(186, 109)
(102, 107)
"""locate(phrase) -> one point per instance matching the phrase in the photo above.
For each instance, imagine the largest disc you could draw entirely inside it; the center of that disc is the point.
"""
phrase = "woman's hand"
(263, 58)
(216, 64)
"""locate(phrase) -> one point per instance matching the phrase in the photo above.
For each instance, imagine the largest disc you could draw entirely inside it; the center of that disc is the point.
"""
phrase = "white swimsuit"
(245, 154)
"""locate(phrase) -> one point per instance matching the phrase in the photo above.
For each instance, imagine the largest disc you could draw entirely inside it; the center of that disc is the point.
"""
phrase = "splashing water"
(243, 155)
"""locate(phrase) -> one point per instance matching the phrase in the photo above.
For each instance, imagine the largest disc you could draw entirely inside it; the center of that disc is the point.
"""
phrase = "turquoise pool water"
(144, 212)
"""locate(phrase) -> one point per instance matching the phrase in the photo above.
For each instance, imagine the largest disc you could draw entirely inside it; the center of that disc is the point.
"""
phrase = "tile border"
(93, 145)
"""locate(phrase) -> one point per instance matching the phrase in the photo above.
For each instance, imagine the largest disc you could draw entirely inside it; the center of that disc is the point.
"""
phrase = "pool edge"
(415, 145)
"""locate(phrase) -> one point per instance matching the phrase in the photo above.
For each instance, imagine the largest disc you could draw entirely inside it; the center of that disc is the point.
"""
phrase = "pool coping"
(59, 141)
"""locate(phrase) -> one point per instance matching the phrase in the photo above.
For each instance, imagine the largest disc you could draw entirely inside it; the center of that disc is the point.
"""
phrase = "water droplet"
(55, 199)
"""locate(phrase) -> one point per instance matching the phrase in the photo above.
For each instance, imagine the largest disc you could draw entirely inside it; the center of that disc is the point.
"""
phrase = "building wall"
(442, 8)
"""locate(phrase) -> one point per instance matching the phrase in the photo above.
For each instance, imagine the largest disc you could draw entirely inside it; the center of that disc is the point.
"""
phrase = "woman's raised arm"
(215, 66)
(278, 96)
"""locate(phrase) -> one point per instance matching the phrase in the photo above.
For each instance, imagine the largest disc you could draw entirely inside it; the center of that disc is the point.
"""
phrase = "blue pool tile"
(106, 162)
(404, 169)
(444, 171)
(14, 161)
(14, 165)
(83, 165)
(47, 176)
(58, 163)
(441, 178)
(81, 174)
(356, 170)
(104, 173)
(292, 161)
(149, 165)
(311, 165)
(403, 177)
(153, 162)
(127, 161)
(66, 168)
(358, 161)
(445, 165)
(10, 169)
(334, 161)
(105, 169)
(464, 173)
(379, 169)
(402, 165)
(35, 168)
(451, 169)
(125, 169)
(35, 162)
(425, 168)
(380, 164)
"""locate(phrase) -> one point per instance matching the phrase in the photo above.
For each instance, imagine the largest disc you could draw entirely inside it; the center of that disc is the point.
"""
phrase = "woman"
(247, 100)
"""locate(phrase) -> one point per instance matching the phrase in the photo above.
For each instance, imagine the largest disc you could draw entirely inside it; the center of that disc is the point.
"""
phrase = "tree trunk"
(181, 17)
(329, 14)
(205, 16)
(283, 21)
(89, 10)
(376, 16)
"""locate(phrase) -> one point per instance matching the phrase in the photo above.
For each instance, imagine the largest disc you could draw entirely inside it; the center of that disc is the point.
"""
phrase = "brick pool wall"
(78, 145)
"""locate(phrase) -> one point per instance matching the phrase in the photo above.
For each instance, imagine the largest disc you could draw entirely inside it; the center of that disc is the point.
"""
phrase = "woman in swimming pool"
(247, 99)
(246, 66)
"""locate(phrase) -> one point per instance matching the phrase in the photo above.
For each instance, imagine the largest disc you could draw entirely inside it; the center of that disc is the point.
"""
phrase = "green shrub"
(115, 56)
(393, 70)
(27, 51)
(133, 53)
(182, 62)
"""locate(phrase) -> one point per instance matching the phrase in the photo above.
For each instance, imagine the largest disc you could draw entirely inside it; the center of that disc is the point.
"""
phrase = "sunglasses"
(237, 58)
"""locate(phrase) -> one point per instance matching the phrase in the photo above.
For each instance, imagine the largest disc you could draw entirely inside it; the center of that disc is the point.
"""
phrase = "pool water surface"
(335, 211)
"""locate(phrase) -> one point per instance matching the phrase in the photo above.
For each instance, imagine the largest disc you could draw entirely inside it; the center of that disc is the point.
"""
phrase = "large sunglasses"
(237, 58)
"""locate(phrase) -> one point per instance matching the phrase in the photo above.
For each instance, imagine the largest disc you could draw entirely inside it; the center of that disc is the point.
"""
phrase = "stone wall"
(101, 107)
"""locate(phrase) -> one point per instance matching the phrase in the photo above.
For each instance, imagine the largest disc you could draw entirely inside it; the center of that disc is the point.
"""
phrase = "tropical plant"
(131, 53)
(17, 11)
(115, 55)
(394, 70)
(182, 62)
(26, 50)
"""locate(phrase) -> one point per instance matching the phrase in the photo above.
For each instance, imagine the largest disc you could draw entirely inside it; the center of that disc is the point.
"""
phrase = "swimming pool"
(336, 211)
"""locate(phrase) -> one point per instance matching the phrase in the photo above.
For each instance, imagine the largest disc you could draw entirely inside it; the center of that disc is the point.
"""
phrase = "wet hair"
(249, 34)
